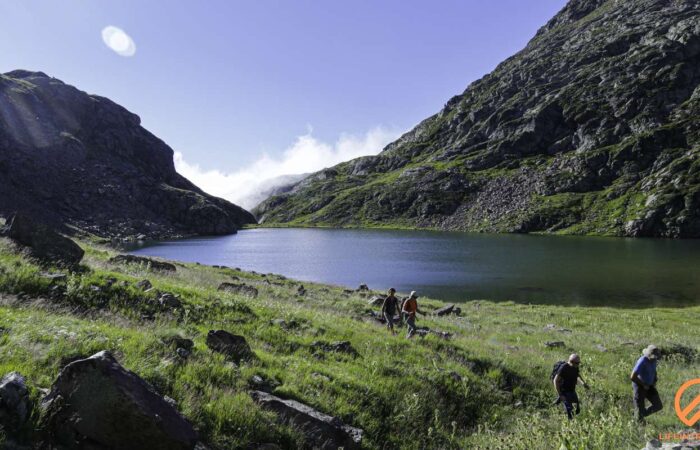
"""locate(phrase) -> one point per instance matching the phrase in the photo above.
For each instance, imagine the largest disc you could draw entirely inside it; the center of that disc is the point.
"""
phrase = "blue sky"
(233, 85)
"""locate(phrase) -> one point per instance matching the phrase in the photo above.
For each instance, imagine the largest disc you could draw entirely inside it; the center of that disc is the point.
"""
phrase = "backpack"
(555, 370)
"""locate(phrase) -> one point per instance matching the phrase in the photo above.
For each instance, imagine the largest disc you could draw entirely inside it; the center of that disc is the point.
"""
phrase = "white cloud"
(245, 187)
(117, 39)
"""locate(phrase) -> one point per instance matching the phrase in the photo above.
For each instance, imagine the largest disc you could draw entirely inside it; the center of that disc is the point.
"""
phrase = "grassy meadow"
(485, 387)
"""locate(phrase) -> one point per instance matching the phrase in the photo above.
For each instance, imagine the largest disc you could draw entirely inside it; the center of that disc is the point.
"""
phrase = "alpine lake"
(452, 266)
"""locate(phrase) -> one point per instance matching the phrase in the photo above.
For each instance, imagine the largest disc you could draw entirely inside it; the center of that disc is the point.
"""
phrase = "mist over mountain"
(591, 129)
(67, 157)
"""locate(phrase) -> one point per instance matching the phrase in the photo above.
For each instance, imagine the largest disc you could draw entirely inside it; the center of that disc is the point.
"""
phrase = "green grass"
(486, 387)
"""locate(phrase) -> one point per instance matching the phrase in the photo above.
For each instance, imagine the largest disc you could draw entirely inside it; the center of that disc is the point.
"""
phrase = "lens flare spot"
(116, 39)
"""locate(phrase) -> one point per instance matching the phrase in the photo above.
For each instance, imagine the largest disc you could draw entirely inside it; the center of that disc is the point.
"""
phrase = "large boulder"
(14, 402)
(97, 404)
(43, 242)
(233, 346)
(321, 431)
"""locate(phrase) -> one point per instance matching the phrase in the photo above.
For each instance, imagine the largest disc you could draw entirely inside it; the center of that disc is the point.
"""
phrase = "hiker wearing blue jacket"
(644, 383)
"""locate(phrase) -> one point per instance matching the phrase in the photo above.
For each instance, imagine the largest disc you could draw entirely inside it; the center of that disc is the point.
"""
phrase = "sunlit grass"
(486, 387)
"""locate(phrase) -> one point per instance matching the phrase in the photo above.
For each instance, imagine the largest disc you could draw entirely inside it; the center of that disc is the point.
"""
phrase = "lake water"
(463, 266)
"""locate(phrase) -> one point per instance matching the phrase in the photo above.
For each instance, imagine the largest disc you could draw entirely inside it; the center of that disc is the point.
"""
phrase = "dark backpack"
(555, 370)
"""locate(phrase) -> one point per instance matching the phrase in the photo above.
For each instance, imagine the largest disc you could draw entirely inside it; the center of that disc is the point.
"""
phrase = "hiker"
(644, 383)
(389, 307)
(565, 381)
(409, 310)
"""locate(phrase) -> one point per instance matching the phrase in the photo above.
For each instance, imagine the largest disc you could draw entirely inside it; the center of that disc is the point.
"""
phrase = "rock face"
(70, 157)
(44, 243)
(97, 404)
(591, 128)
(14, 402)
(231, 345)
(321, 430)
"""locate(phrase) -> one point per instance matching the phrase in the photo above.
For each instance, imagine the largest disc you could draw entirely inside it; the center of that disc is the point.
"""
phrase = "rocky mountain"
(67, 157)
(273, 186)
(592, 128)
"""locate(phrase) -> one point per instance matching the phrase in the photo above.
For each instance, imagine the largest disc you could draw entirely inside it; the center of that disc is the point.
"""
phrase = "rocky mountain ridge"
(591, 129)
(67, 157)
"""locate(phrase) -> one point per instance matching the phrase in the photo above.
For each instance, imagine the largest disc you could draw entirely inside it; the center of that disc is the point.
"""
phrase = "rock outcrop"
(591, 128)
(96, 404)
(15, 405)
(42, 242)
(321, 431)
(150, 263)
(70, 157)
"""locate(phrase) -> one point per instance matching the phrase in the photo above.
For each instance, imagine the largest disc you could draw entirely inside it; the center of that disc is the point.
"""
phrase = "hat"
(413, 295)
(650, 350)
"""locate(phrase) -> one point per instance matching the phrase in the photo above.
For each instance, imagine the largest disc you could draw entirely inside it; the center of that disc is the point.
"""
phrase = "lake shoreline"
(459, 266)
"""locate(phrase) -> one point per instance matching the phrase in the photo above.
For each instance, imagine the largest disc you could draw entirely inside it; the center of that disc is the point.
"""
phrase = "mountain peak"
(574, 11)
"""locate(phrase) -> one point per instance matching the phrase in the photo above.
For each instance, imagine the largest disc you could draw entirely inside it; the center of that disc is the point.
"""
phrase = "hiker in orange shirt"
(409, 310)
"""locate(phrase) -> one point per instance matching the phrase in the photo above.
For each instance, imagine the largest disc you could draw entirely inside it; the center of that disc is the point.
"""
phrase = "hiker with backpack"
(389, 307)
(644, 380)
(409, 310)
(565, 376)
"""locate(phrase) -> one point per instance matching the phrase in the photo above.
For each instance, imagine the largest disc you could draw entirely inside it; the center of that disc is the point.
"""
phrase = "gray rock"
(150, 263)
(363, 288)
(445, 310)
(321, 431)
(54, 277)
(240, 289)
(261, 384)
(168, 300)
(653, 444)
(377, 300)
(15, 405)
(95, 403)
(425, 331)
(144, 285)
(177, 341)
(554, 344)
(233, 346)
(43, 243)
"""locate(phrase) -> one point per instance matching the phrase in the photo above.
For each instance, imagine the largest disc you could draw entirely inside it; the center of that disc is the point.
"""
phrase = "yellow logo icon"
(686, 413)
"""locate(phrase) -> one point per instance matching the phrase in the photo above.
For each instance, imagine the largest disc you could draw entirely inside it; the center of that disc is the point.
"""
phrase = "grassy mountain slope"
(72, 158)
(591, 129)
(486, 387)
